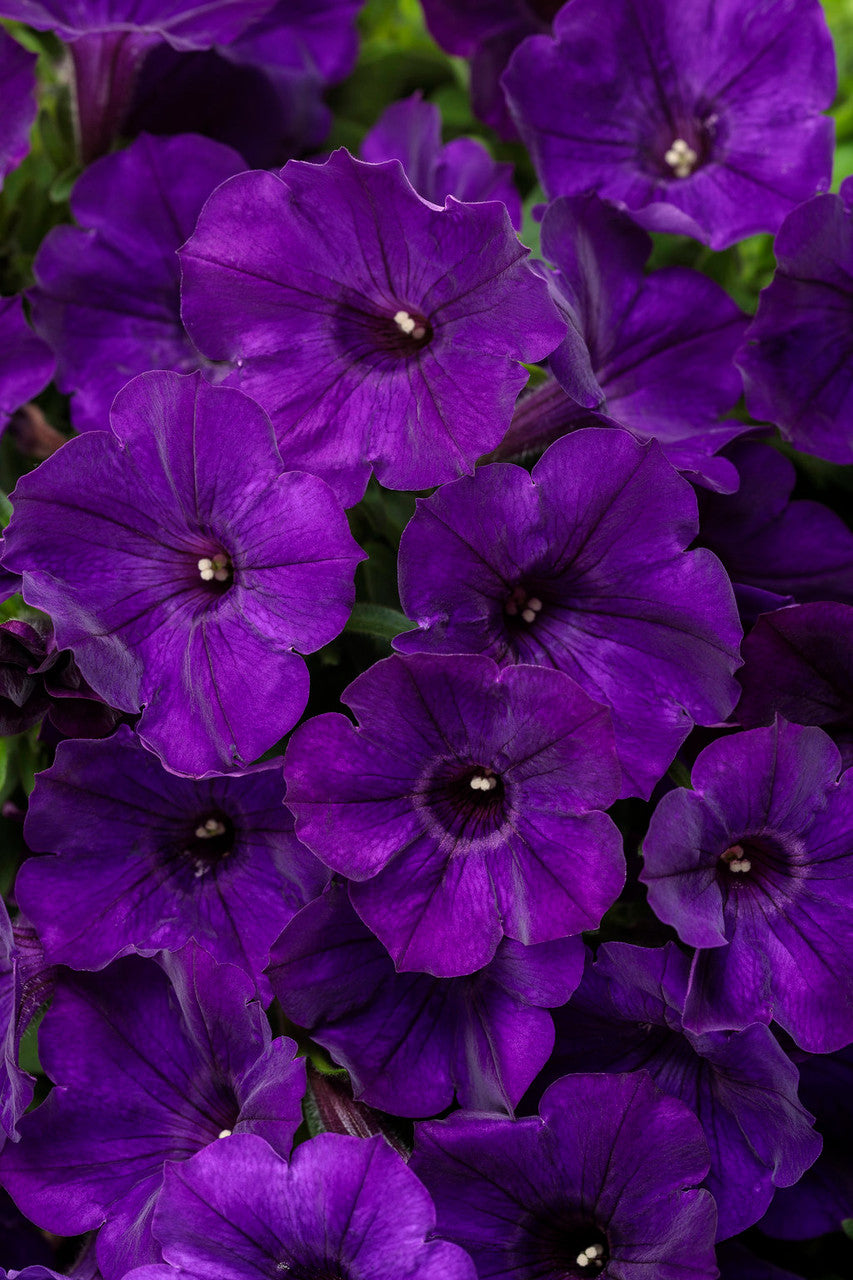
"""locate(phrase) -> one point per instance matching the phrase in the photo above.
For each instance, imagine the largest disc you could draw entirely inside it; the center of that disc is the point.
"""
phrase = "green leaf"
(847, 1227)
(378, 621)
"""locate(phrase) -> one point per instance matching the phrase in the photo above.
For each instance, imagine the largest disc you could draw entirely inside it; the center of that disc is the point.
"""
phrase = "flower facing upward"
(701, 119)
(464, 806)
(377, 330)
(182, 564)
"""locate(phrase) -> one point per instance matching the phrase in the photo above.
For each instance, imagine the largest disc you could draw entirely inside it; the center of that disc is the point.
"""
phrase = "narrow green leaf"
(378, 621)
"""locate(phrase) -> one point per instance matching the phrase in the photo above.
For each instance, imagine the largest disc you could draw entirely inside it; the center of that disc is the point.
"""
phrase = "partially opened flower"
(147, 860)
(183, 565)
(39, 681)
(146, 1070)
(18, 74)
(754, 867)
(654, 352)
(26, 362)
(775, 550)
(408, 1040)
(798, 663)
(603, 1185)
(107, 295)
(582, 566)
(410, 131)
(797, 361)
(377, 330)
(464, 806)
(697, 119)
(343, 1208)
(627, 1014)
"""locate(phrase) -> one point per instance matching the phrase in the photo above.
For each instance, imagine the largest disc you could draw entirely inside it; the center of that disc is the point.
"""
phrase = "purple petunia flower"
(343, 1207)
(487, 32)
(39, 681)
(797, 362)
(26, 363)
(18, 75)
(798, 663)
(148, 860)
(602, 1185)
(775, 551)
(148, 1068)
(410, 131)
(666, 109)
(182, 565)
(377, 330)
(107, 295)
(582, 566)
(651, 352)
(464, 806)
(823, 1198)
(755, 868)
(409, 1040)
(109, 40)
(627, 1014)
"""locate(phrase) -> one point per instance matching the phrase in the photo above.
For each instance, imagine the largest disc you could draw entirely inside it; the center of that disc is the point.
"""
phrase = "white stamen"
(582, 1260)
(209, 828)
(595, 1251)
(205, 563)
(740, 864)
(535, 604)
(409, 325)
(214, 568)
(735, 859)
(681, 158)
(475, 782)
(224, 1133)
(528, 615)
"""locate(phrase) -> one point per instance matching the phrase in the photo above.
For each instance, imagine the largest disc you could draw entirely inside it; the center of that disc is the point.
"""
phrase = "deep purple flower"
(148, 860)
(410, 131)
(667, 108)
(798, 663)
(627, 1015)
(18, 74)
(464, 806)
(582, 566)
(754, 867)
(775, 551)
(378, 331)
(487, 32)
(16, 1085)
(409, 1040)
(261, 93)
(26, 363)
(343, 1208)
(182, 565)
(797, 362)
(602, 1185)
(110, 40)
(38, 681)
(823, 1198)
(651, 352)
(146, 1070)
(107, 295)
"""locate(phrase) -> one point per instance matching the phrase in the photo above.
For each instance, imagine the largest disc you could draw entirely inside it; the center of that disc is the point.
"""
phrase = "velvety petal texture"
(26, 362)
(742, 1086)
(377, 330)
(776, 551)
(410, 1041)
(754, 867)
(464, 806)
(410, 131)
(149, 1067)
(182, 566)
(107, 295)
(147, 860)
(17, 73)
(652, 351)
(608, 1174)
(668, 109)
(190, 26)
(582, 566)
(343, 1206)
(798, 359)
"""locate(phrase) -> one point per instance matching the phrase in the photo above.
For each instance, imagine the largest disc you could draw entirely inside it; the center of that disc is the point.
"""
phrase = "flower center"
(413, 326)
(591, 1260)
(462, 801)
(522, 606)
(369, 332)
(681, 158)
(211, 841)
(216, 570)
(736, 859)
(564, 1246)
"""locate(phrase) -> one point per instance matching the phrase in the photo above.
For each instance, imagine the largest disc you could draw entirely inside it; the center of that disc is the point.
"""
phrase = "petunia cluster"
(426, 640)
